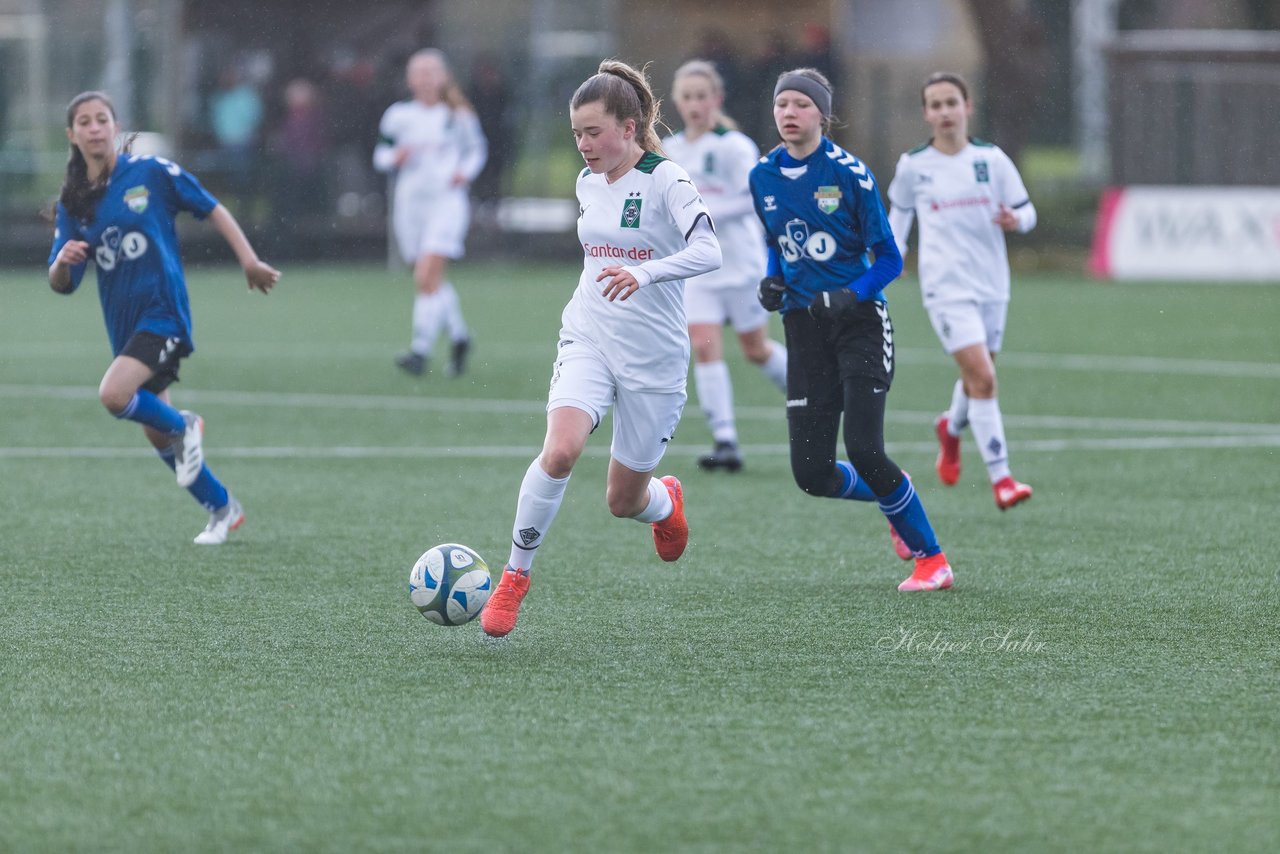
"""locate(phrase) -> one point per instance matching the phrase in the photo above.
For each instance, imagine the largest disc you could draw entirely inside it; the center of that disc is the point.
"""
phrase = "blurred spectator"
(815, 52)
(771, 59)
(714, 47)
(235, 116)
(353, 105)
(300, 147)
(491, 97)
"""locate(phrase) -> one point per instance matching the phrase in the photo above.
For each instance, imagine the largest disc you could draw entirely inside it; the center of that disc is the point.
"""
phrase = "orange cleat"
(932, 573)
(499, 615)
(948, 464)
(671, 535)
(1009, 492)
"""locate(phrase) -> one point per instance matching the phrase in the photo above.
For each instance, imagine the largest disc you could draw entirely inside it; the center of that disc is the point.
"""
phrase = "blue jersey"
(134, 246)
(820, 223)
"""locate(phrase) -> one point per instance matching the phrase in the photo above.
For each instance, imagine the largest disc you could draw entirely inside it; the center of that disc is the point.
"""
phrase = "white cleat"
(221, 523)
(188, 450)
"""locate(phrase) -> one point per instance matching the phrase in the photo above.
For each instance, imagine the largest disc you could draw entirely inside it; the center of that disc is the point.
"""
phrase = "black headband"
(819, 94)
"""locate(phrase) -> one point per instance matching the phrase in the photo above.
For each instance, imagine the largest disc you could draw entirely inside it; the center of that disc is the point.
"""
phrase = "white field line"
(1091, 363)
(601, 449)
(496, 406)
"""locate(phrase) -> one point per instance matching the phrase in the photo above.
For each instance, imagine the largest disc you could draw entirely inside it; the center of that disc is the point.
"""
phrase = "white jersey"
(444, 142)
(719, 163)
(957, 197)
(641, 219)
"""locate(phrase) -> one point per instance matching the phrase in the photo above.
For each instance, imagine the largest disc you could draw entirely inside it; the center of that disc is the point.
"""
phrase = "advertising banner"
(1197, 233)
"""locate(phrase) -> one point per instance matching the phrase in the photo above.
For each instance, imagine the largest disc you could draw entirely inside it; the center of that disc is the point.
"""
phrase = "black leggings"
(813, 442)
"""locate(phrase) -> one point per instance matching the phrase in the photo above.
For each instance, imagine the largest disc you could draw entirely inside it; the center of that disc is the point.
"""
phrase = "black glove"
(832, 304)
(770, 291)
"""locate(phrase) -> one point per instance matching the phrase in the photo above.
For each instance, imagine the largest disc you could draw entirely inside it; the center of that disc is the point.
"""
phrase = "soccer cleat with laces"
(1009, 492)
(412, 363)
(221, 522)
(458, 357)
(948, 464)
(900, 548)
(499, 615)
(188, 449)
(932, 573)
(725, 455)
(671, 535)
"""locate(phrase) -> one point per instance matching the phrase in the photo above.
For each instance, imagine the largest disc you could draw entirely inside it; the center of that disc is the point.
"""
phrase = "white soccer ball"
(450, 584)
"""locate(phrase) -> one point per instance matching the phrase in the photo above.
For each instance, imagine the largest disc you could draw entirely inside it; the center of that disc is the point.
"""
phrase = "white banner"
(1199, 233)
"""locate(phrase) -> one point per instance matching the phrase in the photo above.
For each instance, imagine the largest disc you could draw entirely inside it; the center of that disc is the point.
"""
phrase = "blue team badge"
(980, 172)
(828, 199)
(631, 211)
(136, 198)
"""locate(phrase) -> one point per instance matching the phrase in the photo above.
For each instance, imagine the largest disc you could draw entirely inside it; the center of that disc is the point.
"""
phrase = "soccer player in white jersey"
(624, 341)
(966, 193)
(718, 157)
(434, 145)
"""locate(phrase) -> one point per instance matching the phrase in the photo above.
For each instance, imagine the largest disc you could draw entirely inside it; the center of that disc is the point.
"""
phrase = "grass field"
(1104, 676)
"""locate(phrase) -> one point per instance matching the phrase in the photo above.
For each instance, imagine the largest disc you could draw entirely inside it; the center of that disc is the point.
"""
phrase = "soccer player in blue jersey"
(822, 217)
(119, 211)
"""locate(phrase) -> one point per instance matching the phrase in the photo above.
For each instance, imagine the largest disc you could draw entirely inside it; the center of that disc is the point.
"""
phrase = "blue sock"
(146, 408)
(908, 518)
(854, 487)
(207, 489)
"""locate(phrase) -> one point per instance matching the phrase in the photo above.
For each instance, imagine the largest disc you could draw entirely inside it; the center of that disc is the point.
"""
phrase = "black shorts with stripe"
(158, 353)
(825, 350)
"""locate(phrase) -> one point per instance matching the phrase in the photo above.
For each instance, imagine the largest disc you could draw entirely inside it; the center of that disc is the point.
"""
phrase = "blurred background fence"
(275, 105)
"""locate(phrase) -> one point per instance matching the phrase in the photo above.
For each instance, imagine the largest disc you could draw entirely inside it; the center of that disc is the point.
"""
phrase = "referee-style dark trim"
(1022, 204)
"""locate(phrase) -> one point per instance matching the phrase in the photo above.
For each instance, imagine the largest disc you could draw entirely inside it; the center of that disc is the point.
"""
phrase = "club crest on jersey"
(136, 198)
(828, 199)
(980, 173)
(631, 212)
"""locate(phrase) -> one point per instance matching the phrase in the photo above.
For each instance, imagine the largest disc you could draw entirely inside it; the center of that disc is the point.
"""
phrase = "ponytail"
(625, 93)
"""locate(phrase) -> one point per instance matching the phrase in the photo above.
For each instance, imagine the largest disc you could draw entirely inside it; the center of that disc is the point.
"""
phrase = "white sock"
(715, 395)
(775, 367)
(958, 414)
(659, 506)
(988, 430)
(427, 320)
(536, 508)
(453, 312)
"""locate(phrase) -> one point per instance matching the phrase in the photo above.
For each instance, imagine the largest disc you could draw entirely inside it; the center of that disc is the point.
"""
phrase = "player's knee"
(557, 461)
(757, 354)
(980, 384)
(812, 479)
(114, 399)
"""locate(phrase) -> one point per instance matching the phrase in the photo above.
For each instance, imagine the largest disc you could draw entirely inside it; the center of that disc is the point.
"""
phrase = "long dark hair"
(79, 195)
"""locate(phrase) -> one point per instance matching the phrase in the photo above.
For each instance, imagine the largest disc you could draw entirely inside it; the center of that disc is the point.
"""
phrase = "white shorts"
(644, 422)
(738, 306)
(435, 225)
(965, 323)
